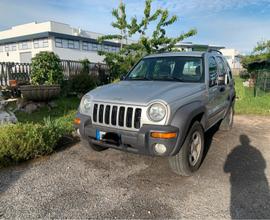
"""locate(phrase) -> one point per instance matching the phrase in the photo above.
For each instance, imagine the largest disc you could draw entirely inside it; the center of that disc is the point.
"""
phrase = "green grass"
(246, 103)
(66, 107)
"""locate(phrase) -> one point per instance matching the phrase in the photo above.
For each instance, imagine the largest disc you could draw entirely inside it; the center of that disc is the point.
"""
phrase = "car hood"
(143, 92)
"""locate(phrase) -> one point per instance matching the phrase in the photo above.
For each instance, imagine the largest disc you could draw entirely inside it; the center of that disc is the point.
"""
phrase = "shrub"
(244, 74)
(20, 142)
(83, 82)
(85, 66)
(46, 69)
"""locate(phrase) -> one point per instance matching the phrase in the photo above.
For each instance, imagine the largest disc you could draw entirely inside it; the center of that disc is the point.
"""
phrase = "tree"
(260, 52)
(263, 47)
(129, 54)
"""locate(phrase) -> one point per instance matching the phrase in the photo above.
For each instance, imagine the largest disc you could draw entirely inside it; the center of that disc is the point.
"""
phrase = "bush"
(46, 69)
(85, 66)
(83, 83)
(20, 141)
(244, 74)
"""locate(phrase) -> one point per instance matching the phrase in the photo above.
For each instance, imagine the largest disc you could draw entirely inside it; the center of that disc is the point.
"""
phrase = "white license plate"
(100, 135)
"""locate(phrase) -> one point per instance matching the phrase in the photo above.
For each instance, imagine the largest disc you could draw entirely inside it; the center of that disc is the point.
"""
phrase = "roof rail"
(214, 50)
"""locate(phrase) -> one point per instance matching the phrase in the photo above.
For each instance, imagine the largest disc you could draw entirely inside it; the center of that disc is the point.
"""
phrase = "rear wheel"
(227, 122)
(189, 158)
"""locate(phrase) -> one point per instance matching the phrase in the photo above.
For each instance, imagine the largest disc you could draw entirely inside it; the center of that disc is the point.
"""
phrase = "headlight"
(85, 105)
(157, 112)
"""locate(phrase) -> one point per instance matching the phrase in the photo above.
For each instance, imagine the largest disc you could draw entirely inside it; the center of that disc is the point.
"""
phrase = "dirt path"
(80, 183)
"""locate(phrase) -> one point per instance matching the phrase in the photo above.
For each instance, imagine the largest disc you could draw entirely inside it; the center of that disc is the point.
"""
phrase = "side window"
(221, 66)
(229, 71)
(212, 71)
(223, 71)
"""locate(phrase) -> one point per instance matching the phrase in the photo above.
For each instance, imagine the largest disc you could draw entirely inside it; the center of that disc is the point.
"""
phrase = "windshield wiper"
(144, 78)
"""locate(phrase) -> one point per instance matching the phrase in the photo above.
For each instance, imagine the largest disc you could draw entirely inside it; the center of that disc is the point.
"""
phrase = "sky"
(238, 24)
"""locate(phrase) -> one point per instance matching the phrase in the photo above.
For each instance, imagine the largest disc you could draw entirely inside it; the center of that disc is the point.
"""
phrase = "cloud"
(233, 23)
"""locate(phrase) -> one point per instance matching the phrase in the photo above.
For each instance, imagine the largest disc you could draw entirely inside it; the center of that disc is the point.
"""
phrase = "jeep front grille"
(117, 116)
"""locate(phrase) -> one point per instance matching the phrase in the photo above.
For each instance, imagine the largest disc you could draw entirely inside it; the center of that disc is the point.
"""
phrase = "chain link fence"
(262, 84)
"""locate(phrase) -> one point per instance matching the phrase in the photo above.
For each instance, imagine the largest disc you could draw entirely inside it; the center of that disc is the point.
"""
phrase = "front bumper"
(132, 141)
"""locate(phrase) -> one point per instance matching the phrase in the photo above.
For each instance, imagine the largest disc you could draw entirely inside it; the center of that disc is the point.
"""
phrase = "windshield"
(183, 69)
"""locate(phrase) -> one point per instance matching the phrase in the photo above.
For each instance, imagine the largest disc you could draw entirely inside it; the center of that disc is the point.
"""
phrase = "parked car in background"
(162, 107)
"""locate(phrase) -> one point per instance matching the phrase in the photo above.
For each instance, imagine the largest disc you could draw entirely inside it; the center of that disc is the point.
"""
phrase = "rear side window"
(228, 68)
(212, 71)
(221, 66)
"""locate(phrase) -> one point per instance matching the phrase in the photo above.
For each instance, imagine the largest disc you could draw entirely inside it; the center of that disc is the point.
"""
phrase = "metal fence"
(22, 71)
(17, 71)
(262, 85)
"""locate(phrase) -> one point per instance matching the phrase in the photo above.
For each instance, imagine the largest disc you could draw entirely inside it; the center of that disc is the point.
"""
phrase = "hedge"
(24, 141)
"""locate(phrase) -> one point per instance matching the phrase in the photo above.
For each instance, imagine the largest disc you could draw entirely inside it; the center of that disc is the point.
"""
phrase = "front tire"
(189, 158)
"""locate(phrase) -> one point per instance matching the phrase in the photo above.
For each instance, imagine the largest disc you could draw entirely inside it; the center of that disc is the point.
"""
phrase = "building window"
(84, 46)
(25, 45)
(90, 46)
(64, 43)
(71, 44)
(1, 48)
(41, 43)
(58, 42)
(112, 49)
(106, 48)
(10, 47)
(76, 45)
(94, 47)
(99, 47)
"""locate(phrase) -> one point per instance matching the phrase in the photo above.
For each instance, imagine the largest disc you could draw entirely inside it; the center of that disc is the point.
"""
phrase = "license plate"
(100, 135)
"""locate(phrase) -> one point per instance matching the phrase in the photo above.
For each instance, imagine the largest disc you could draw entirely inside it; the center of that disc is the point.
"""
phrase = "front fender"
(183, 119)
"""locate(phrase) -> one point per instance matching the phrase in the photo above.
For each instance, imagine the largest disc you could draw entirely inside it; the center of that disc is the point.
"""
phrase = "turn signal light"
(77, 121)
(164, 135)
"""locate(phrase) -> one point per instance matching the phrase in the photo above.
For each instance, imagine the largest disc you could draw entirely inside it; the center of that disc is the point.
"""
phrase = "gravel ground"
(80, 183)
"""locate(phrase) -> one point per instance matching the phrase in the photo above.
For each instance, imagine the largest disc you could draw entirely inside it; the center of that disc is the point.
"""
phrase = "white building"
(189, 46)
(21, 43)
(233, 57)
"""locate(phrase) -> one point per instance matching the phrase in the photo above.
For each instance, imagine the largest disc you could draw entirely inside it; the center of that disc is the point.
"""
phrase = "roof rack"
(214, 50)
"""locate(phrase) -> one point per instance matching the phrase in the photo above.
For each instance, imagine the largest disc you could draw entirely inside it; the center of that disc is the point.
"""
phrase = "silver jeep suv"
(162, 107)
